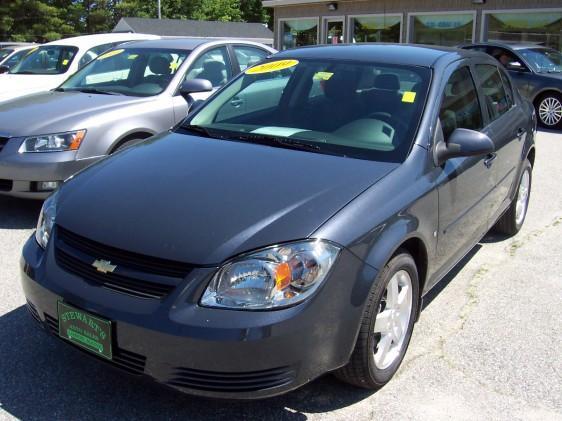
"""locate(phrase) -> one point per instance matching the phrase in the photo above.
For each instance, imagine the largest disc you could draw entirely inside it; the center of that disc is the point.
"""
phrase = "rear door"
(465, 184)
(505, 122)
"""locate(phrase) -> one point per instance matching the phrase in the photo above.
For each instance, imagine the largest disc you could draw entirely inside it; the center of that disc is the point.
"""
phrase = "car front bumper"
(211, 352)
(20, 172)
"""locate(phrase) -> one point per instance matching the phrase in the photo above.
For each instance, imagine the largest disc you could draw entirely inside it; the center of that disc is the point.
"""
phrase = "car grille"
(3, 141)
(137, 275)
(231, 382)
(6, 185)
(126, 360)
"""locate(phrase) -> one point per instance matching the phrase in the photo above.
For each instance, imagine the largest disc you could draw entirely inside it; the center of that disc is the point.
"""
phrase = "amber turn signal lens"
(77, 140)
(282, 276)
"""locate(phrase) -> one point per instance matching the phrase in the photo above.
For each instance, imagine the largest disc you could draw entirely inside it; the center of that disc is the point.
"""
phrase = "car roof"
(408, 54)
(185, 43)
(507, 44)
(89, 41)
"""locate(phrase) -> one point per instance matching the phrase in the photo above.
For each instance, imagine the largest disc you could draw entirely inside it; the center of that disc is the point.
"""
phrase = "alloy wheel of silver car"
(393, 318)
(522, 197)
(550, 111)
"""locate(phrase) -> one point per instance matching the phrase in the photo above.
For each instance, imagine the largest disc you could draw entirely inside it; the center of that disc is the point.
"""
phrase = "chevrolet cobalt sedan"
(291, 226)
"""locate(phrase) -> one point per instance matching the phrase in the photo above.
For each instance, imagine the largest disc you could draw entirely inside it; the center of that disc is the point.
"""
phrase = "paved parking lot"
(488, 346)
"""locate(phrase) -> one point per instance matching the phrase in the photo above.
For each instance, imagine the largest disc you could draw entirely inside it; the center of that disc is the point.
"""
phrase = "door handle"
(236, 102)
(520, 133)
(490, 158)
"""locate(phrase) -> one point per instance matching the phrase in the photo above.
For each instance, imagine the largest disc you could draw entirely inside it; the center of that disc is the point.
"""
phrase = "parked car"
(536, 72)
(123, 97)
(244, 254)
(47, 66)
(11, 55)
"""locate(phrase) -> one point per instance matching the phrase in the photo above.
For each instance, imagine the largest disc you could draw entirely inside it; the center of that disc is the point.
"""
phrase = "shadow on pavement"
(18, 213)
(42, 378)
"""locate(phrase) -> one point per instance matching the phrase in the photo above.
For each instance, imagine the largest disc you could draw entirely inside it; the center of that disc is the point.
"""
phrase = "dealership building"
(441, 22)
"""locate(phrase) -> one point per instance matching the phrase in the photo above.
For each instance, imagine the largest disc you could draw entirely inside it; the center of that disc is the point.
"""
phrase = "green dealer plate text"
(86, 331)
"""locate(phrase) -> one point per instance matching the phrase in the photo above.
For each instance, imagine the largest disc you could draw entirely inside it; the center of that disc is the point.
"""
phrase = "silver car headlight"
(46, 220)
(57, 142)
(273, 277)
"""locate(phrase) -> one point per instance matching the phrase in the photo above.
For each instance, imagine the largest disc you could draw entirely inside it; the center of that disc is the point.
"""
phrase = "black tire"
(508, 223)
(544, 101)
(126, 144)
(361, 370)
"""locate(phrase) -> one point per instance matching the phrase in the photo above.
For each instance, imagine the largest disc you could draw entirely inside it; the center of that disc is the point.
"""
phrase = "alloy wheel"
(550, 111)
(522, 198)
(393, 318)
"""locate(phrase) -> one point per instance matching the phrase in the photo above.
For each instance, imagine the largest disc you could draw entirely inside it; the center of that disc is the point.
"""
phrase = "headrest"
(341, 86)
(213, 66)
(387, 81)
(160, 65)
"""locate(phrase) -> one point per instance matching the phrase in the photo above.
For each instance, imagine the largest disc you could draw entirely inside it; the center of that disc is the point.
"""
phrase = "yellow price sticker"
(65, 62)
(273, 66)
(409, 97)
(323, 75)
(174, 65)
(110, 54)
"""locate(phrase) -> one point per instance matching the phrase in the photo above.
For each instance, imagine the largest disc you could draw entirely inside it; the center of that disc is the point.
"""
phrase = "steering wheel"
(389, 119)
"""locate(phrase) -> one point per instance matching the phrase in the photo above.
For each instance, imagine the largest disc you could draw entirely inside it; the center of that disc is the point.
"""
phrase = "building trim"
(485, 13)
(280, 31)
(367, 15)
(276, 3)
(409, 30)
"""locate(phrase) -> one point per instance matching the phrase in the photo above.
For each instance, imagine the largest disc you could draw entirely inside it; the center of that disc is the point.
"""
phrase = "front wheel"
(386, 326)
(549, 110)
(512, 220)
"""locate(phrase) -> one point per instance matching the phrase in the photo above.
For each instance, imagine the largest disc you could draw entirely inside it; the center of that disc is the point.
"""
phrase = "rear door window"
(491, 84)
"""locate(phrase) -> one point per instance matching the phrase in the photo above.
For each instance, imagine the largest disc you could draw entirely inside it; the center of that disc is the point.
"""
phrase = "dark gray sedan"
(122, 97)
(253, 249)
(536, 71)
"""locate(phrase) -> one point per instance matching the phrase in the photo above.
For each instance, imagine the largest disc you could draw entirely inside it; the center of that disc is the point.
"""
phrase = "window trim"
(280, 31)
(411, 15)
(487, 12)
(326, 20)
(375, 15)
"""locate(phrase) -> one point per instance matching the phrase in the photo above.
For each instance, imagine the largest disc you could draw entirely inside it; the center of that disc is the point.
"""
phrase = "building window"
(543, 28)
(442, 28)
(334, 31)
(298, 32)
(379, 28)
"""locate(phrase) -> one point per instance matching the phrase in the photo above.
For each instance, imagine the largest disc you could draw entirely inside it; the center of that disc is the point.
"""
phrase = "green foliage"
(48, 20)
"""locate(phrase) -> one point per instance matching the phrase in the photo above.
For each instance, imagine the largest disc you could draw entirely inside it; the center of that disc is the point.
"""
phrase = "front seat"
(214, 71)
(161, 67)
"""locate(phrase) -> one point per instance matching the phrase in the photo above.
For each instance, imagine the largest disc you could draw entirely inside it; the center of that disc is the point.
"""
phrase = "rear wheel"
(512, 220)
(549, 110)
(386, 326)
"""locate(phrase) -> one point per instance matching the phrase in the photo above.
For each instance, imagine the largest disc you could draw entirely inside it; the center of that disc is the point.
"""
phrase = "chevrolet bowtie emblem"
(104, 266)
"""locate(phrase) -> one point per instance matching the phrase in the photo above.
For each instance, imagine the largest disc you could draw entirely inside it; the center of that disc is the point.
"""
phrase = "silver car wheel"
(393, 318)
(550, 111)
(522, 198)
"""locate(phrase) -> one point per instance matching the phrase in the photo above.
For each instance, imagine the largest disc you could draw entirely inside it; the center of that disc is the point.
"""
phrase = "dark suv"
(537, 73)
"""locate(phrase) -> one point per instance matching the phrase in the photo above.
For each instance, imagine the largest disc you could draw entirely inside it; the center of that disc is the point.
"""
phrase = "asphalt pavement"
(488, 344)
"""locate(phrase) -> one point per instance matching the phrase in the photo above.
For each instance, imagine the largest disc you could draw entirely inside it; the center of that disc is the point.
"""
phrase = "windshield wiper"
(278, 141)
(94, 91)
(200, 130)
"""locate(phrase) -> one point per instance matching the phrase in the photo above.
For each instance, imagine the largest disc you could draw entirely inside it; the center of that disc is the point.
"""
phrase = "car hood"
(16, 86)
(201, 201)
(52, 111)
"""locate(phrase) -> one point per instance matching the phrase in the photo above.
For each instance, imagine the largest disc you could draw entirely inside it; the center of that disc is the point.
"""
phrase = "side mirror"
(4, 69)
(462, 143)
(515, 66)
(193, 86)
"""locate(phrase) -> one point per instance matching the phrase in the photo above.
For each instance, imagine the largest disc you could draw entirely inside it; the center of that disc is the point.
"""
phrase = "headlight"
(58, 142)
(46, 220)
(273, 277)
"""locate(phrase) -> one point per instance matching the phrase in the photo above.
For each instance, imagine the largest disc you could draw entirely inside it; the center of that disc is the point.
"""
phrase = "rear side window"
(497, 101)
(460, 108)
(248, 56)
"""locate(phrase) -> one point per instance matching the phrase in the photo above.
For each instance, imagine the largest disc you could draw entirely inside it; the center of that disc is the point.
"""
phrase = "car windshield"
(356, 109)
(543, 59)
(4, 52)
(46, 60)
(128, 71)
